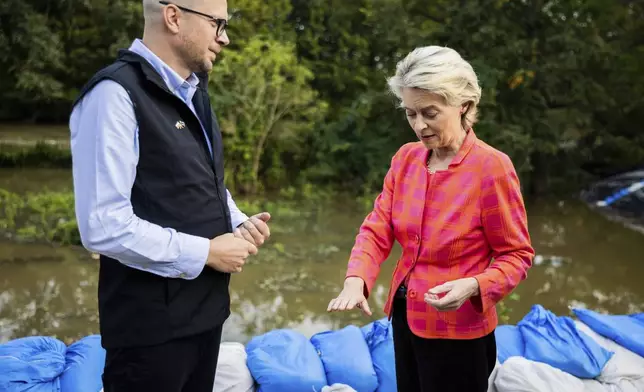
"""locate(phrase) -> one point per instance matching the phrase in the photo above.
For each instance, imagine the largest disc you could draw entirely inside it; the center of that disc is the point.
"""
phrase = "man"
(150, 199)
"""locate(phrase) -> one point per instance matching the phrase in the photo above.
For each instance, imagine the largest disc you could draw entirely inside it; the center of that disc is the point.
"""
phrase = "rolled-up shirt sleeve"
(505, 225)
(104, 147)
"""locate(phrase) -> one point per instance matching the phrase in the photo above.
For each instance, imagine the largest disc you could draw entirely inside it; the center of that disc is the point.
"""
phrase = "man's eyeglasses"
(221, 23)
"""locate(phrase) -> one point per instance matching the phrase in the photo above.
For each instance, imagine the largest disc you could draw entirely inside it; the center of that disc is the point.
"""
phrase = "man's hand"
(228, 253)
(457, 292)
(254, 230)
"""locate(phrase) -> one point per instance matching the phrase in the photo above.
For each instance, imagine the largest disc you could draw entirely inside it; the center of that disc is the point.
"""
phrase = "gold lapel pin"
(180, 125)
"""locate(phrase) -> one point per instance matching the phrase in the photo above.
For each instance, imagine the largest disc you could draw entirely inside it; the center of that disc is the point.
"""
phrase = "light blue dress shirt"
(105, 153)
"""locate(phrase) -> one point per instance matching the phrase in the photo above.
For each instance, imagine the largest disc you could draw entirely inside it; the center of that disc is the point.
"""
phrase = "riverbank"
(34, 146)
(49, 216)
(35, 154)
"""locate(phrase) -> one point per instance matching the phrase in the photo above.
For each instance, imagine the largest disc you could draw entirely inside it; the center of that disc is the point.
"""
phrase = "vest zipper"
(205, 101)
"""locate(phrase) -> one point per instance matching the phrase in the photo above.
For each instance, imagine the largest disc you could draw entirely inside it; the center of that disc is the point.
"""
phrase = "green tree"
(262, 92)
(538, 100)
(50, 49)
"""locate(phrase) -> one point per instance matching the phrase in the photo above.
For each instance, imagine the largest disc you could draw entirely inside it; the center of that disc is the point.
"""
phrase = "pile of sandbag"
(45, 364)
(542, 353)
(349, 359)
(597, 353)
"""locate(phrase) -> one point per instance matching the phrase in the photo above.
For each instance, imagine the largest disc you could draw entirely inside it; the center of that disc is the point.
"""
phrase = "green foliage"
(504, 310)
(265, 98)
(50, 49)
(301, 91)
(39, 155)
(47, 216)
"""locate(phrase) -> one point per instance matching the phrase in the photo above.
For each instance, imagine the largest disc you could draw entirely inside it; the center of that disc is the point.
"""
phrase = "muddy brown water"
(582, 260)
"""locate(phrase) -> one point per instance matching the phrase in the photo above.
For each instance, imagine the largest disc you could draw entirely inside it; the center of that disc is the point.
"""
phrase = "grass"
(17, 136)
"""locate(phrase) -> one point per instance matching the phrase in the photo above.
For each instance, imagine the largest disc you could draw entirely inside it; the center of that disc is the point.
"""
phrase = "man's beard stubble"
(193, 57)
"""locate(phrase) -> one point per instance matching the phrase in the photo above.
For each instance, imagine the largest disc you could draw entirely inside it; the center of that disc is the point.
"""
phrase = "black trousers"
(446, 365)
(182, 365)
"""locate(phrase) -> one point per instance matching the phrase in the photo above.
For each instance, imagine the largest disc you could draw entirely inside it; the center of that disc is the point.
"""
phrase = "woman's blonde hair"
(440, 70)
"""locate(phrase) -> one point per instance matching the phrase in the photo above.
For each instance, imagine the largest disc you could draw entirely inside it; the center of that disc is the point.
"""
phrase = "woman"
(453, 203)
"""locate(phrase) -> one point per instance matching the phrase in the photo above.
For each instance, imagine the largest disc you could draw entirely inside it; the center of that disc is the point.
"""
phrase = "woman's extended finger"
(364, 306)
(337, 303)
(351, 303)
(344, 303)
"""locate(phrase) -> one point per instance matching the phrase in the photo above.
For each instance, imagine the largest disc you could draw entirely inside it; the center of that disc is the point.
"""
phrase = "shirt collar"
(470, 139)
(170, 76)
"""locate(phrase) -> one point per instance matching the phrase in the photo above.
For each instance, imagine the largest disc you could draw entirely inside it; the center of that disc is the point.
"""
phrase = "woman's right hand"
(352, 295)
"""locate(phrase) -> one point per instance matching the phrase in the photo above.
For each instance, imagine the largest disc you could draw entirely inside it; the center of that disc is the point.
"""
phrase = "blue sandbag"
(557, 342)
(366, 329)
(380, 340)
(625, 330)
(285, 361)
(31, 364)
(509, 342)
(84, 363)
(346, 358)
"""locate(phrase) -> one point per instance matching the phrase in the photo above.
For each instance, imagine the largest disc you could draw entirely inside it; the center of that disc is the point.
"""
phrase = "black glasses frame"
(221, 23)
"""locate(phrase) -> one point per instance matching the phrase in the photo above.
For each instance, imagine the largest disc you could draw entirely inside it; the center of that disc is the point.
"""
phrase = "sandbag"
(519, 374)
(625, 330)
(232, 374)
(346, 358)
(638, 316)
(624, 372)
(32, 364)
(380, 340)
(84, 364)
(338, 388)
(490, 382)
(509, 342)
(283, 361)
(557, 342)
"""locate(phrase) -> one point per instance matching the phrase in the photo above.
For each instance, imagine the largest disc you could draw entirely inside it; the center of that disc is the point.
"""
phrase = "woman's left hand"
(457, 292)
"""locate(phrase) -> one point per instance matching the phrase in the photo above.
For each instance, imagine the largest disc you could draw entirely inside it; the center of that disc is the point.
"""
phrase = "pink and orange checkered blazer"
(450, 225)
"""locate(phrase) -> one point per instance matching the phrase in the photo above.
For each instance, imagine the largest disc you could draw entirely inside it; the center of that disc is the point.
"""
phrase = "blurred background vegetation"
(301, 92)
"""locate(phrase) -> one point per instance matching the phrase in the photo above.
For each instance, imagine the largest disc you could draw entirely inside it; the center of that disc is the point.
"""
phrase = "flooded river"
(583, 260)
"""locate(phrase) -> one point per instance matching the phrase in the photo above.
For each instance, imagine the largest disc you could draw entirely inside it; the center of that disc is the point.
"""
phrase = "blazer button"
(412, 294)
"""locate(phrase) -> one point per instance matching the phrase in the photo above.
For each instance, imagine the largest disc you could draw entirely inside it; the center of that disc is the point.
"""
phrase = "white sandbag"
(490, 383)
(623, 373)
(522, 375)
(338, 388)
(232, 374)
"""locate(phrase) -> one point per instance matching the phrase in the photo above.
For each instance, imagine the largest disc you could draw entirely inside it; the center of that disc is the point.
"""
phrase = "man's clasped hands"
(228, 252)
